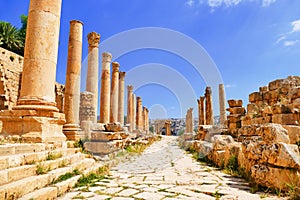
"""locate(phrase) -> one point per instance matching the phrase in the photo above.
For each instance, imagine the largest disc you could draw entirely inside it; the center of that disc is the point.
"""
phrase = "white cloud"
(229, 3)
(190, 3)
(229, 86)
(280, 39)
(215, 3)
(296, 26)
(289, 43)
(266, 3)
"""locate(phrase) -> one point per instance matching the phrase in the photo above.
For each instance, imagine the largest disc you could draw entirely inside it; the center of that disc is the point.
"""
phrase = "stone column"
(189, 121)
(114, 92)
(93, 65)
(129, 107)
(222, 103)
(144, 118)
(168, 127)
(134, 112)
(72, 87)
(209, 107)
(147, 121)
(105, 88)
(40, 57)
(121, 98)
(139, 114)
(201, 111)
(36, 116)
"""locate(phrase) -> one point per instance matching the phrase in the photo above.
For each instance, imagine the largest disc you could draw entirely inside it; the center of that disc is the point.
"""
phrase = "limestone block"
(252, 148)
(296, 103)
(293, 133)
(261, 120)
(267, 110)
(263, 89)
(282, 155)
(188, 136)
(286, 119)
(44, 193)
(253, 109)
(234, 118)
(273, 133)
(275, 84)
(280, 109)
(203, 148)
(235, 103)
(3, 177)
(113, 127)
(221, 141)
(218, 157)
(236, 110)
(103, 148)
(234, 125)
(265, 175)
(255, 96)
(108, 136)
(21, 172)
(232, 149)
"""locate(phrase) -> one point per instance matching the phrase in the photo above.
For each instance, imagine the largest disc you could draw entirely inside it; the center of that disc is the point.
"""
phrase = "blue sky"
(251, 42)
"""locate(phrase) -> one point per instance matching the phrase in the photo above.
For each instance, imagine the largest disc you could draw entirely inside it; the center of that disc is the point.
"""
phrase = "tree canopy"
(12, 38)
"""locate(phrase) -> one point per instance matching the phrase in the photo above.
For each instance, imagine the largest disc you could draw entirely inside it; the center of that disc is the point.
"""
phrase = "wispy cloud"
(190, 3)
(266, 3)
(229, 86)
(226, 3)
(288, 39)
(289, 43)
(296, 26)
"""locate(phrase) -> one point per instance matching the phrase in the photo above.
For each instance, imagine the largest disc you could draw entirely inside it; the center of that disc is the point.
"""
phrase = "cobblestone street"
(164, 171)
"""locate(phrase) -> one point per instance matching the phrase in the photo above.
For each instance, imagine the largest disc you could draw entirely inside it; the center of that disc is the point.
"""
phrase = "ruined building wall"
(11, 67)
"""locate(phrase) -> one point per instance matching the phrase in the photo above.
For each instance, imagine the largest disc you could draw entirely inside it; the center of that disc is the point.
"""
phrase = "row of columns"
(137, 114)
(205, 107)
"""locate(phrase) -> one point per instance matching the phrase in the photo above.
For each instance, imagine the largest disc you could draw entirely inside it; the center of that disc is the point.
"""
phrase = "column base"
(38, 126)
(73, 132)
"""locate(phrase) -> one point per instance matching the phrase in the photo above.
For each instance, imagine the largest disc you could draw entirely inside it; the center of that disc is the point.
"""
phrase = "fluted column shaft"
(139, 113)
(105, 88)
(208, 106)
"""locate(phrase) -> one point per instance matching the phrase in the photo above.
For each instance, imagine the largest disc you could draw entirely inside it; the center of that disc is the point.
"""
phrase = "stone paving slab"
(164, 171)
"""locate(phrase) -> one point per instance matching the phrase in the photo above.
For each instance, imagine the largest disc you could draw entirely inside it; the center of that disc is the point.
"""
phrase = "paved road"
(164, 171)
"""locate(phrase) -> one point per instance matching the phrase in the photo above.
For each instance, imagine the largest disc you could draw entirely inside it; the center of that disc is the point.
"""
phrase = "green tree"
(12, 38)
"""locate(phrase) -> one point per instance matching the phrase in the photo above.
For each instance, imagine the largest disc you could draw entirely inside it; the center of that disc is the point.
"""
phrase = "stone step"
(19, 148)
(15, 160)
(17, 173)
(27, 185)
(52, 192)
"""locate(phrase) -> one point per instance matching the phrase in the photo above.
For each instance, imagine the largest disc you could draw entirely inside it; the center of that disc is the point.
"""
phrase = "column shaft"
(121, 98)
(105, 88)
(40, 57)
(222, 103)
(114, 93)
(93, 65)
(129, 107)
(208, 106)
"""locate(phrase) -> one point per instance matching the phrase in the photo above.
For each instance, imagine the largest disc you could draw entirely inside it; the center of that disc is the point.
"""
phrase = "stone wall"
(11, 66)
(262, 143)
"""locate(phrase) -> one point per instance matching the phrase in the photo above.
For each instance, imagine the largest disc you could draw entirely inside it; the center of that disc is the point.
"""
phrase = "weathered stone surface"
(235, 103)
(236, 110)
(188, 136)
(255, 96)
(232, 150)
(293, 133)
(286, 119)
(221, 141)
(113, 127)
(273, 133)
(108, 136)
(282, 155)
(203, 148)
(265, 175)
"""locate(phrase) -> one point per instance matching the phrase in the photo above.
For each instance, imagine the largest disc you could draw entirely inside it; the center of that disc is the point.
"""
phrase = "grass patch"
(53, 156)
(41, 169)
(66, 176)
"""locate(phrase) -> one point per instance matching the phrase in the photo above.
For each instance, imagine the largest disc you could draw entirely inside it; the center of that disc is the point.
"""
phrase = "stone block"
(282, 155)
(188, 136)
(255, 96)
(234, 118)
(285, 119)
(44, 193)
(261, 120)
(113, 127)
(235, 103)
(293, 133)
(236, 110)
(232, 149)
(218, 157)
(108, 136)
(280, 109)
(220, 141)
(273, 133)
(236, 125)
(203, 148)
(265, 175)
(275, 84)
(264, 89)
(252, 109)
(103, 148)
(21, 172)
